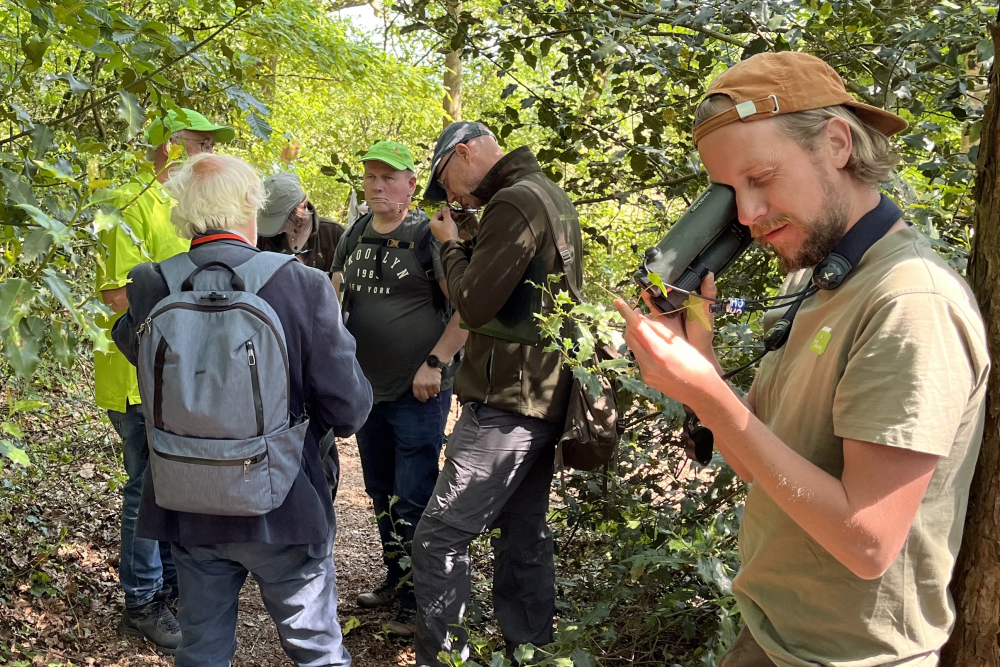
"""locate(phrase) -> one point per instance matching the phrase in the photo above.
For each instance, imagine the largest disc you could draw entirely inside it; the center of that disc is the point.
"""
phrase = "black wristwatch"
(433, 361)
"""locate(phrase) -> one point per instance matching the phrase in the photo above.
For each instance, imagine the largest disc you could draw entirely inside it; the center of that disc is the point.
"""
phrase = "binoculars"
(707, 238)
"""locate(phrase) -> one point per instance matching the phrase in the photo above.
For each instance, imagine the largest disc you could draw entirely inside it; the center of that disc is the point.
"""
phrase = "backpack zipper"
(158, 381)
(246, 463)
(258, 404)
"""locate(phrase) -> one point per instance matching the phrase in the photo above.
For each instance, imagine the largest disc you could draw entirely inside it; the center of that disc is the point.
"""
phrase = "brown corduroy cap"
(769, 84)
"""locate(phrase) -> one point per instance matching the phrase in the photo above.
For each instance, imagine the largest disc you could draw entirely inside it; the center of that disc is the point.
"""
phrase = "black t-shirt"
(394, 313)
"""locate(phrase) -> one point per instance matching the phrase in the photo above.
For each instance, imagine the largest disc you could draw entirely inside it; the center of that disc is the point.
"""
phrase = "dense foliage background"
(604, 91)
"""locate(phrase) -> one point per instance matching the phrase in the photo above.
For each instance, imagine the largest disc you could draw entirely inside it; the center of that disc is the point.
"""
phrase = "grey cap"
(461, 132)
(284, 193)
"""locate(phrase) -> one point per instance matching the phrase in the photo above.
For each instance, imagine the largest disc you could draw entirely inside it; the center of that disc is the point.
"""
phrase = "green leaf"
(581, 658)
(10, 428)
(143, 50)
(259, 126)
(36, 245)
(76, 86)
(131, 112)
(18, 189)
(351, 624)
(42, 138)
(21, 345)
(60, 232)
(638, 162)
(16, 296)
(34, 50)
(984, 50)
(27, 405)
(64, 343)
(100, 14)
(523, 653)
(15, 454)
(59, 286)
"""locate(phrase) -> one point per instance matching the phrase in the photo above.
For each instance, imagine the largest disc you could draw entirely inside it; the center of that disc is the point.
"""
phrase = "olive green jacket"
(481, 275)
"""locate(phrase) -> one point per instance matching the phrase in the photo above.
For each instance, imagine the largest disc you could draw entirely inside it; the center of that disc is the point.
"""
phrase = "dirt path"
(60, 600)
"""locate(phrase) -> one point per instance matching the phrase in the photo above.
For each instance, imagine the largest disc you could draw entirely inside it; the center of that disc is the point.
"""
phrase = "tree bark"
(975, 641)
(453, 71)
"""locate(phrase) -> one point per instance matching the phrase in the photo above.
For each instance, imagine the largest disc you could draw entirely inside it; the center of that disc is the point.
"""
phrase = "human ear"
(839, 141)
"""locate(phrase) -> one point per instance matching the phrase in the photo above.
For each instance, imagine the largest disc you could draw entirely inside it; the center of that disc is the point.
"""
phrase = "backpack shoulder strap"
(259, 269)
(176, 269)
(570, 264)
(354, 232)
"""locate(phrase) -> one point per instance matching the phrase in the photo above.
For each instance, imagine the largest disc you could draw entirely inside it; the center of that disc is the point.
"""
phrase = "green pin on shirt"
(821, 340)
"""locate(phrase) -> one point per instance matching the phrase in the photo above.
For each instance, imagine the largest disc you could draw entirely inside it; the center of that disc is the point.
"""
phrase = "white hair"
(214, 192)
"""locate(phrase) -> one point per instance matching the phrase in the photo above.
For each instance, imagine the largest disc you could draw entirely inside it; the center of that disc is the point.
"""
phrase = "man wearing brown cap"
(860, 435)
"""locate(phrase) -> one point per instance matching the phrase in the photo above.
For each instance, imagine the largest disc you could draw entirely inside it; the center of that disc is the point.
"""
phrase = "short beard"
(822, 236)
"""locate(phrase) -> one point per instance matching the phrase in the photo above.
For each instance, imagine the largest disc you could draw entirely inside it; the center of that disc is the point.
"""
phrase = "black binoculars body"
(707, 238)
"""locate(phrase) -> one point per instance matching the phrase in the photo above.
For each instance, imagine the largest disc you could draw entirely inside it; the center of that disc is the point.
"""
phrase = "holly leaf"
(21, 345)
(42, 137)
(18, 189)
(15, 296)
(76, 86)
(27, 405)
(63, 344)
(15, 454)
(59, 286)
(131, 112)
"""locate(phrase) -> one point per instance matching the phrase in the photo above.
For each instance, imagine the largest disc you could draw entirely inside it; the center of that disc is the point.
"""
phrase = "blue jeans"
(146, 565)
(298, 584)
(399, 447)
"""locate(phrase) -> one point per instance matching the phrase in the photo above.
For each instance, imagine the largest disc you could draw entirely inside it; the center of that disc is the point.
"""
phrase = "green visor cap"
(191, 120)
(393, 153)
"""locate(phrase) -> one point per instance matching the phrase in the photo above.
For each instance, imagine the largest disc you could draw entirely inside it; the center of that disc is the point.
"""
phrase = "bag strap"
(176, 269)
(558, 233)
(259, 269)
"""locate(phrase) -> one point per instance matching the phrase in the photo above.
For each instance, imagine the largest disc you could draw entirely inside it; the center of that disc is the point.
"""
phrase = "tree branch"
(170, 63)
(621, 195)
(662, 19)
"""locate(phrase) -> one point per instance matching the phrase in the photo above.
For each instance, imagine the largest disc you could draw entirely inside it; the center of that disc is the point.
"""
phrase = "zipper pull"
(251, 357)
(143, 328)
(246, 470)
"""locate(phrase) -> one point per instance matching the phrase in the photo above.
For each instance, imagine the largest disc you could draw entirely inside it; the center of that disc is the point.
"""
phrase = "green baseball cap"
(156, 133)
(393, 153)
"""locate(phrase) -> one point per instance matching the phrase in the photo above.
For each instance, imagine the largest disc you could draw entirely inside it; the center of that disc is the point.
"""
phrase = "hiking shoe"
(152, 621)
(405, 623)
(381, 596)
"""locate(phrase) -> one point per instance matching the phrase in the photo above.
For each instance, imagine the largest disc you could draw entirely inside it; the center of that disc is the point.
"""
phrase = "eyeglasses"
(444, 165)
(204, 145)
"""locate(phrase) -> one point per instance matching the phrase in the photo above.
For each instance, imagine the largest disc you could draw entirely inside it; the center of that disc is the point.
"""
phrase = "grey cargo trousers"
(497, 473)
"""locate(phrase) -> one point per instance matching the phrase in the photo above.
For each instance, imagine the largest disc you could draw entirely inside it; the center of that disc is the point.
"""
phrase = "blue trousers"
(298, 584)
(145, 565)
(399, 447)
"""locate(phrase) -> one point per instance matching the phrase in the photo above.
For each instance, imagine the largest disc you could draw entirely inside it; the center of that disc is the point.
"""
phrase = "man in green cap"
(146, 570)
(397, 308)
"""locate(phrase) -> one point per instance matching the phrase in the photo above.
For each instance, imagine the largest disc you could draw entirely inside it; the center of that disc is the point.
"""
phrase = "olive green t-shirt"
(895, 356)
(148, 217)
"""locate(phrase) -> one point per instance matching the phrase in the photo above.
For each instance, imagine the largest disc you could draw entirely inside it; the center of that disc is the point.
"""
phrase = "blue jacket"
(325, 382)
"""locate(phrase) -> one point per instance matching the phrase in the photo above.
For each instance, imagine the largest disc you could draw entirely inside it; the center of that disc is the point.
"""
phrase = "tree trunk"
(976, 583)
(453, 71)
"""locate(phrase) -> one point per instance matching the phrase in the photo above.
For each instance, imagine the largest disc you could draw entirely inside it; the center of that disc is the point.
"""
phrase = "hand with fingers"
(675, 355)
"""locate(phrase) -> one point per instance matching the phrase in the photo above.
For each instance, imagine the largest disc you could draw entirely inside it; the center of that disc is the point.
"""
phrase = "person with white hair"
(146, 570)
(288, 550)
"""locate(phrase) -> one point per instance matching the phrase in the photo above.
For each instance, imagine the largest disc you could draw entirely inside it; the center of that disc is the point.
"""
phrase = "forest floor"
(60, 601)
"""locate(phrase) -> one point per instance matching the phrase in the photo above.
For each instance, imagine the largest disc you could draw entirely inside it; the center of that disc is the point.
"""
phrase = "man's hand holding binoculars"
(675, 354)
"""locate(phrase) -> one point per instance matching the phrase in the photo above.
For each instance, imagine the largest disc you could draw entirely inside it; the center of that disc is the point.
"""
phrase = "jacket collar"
(227, 236)
(510, 169)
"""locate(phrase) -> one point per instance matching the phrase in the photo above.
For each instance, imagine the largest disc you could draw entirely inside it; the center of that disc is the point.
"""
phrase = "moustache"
(762, 229)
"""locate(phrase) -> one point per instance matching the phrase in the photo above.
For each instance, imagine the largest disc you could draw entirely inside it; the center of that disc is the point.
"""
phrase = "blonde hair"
(214, 192)
(872, 158)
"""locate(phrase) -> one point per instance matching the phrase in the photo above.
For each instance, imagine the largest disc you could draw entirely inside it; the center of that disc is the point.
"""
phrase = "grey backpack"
(213, 375)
